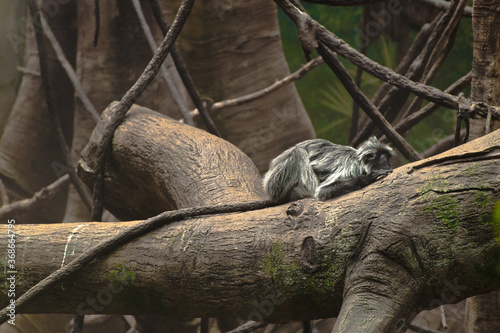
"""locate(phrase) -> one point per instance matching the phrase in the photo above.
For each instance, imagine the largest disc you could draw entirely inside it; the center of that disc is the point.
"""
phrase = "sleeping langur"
(323, 170)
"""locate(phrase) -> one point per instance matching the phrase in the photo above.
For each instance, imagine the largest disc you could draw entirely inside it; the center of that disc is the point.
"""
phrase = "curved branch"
(38, 198)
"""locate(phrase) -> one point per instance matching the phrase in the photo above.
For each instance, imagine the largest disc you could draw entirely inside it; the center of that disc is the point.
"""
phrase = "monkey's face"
(379, 163)
(383, 163)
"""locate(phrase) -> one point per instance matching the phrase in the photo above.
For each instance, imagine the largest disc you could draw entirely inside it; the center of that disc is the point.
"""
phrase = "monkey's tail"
(290, 177)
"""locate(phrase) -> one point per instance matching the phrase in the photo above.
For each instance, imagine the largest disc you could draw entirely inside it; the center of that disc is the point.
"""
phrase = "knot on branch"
(307, 33)
(295, 209)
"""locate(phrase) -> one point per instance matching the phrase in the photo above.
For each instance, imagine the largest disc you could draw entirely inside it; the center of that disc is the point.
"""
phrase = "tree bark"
(374, 257)
(482, 311)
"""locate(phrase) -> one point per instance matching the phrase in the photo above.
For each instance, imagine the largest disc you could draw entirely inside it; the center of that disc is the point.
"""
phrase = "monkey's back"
(327, 159)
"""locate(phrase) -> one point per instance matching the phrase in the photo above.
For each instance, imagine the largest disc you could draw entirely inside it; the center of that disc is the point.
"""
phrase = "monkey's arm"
(344, 186)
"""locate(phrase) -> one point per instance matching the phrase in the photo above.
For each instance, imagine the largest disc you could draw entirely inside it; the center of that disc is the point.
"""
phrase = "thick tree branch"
(380, 254)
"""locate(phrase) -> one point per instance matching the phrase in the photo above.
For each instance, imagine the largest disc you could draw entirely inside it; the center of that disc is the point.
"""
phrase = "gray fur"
(321, 169)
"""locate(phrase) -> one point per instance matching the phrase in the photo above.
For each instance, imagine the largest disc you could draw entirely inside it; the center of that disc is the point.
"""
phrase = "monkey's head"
(375, 156)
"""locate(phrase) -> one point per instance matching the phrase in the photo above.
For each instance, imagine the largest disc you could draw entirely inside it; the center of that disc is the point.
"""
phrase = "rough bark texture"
(482, 311)
(170, 166)
(382, 253)
(233, 48)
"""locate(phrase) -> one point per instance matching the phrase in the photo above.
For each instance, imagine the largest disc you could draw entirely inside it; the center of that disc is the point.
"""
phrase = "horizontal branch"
(297, 75)
(39, 198)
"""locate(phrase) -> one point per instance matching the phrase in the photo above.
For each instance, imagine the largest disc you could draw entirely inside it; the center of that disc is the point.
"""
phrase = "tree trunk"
(482, 311)
(381, 253)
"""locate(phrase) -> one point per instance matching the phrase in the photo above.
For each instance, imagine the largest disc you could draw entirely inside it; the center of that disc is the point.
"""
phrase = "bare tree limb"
(423, 67)
(439, 52)
(412, 66)
(248, 327)
(122, 238)
(40, 197)
(412, 119)
(444, 5)
(387, 244)
(37, 17)
(297, 75)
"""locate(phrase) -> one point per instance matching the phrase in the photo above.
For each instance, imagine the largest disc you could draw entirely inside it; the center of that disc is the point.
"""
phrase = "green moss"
(444, 208)
(122, 276)
(132, 294)
(320, 282)
(482, 199)
(273, 264)
(435, 184)
(472, 170)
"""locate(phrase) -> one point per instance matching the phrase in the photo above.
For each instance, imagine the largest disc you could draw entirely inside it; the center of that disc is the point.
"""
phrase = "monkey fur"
(324, 170)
